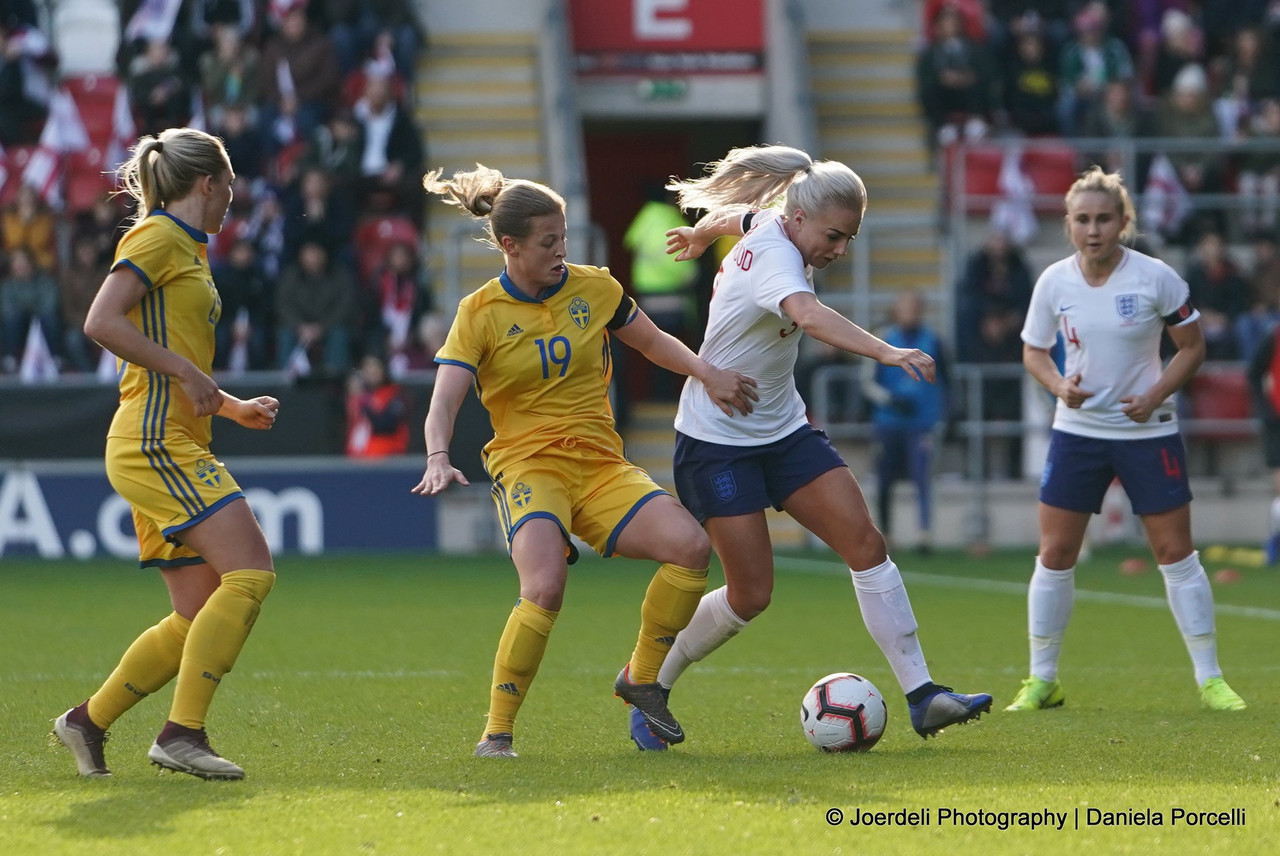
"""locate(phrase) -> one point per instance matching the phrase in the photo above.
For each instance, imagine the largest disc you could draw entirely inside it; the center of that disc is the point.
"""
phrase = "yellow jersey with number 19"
(542, 365)
(178, 312)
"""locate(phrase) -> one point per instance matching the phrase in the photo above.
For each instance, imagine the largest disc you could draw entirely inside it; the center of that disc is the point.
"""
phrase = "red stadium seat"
(14, 161)
(375, 235)
(84, 181)
(981, 176)
(95, 98)
(1223, 395)
(1052, 169)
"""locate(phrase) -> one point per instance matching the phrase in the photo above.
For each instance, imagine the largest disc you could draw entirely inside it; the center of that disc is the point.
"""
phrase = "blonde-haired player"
(535, 342)
(156, 311)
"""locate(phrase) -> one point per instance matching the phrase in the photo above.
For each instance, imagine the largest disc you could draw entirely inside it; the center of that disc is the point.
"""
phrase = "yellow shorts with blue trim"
(171, 484)
(588, 493)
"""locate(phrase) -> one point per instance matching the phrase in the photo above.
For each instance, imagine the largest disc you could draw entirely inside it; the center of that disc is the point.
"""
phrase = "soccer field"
(361, 693)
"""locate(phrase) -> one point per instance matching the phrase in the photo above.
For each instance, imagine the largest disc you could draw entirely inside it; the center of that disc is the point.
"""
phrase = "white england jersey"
(748, 332)
(1111, 333)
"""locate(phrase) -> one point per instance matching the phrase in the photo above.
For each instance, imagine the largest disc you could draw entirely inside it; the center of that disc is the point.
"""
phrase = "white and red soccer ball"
(843, 712)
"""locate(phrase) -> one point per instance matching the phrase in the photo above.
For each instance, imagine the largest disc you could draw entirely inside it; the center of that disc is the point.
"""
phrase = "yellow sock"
(150, 663)
(668, 605)
(519, 654)
(217, 635)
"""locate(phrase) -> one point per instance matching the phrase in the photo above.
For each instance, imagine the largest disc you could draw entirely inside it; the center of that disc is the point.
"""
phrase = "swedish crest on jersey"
(580, 312)
(521, 494)
(207, 471)
(1127, 305)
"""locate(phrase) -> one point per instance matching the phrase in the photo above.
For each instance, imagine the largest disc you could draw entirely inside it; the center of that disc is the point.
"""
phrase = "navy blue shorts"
(1152, 471)
(715, 480)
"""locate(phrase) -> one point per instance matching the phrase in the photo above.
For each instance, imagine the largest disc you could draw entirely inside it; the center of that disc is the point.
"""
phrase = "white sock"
(1187, 588)
(886, 611)
(1049, 600)
(713, 624)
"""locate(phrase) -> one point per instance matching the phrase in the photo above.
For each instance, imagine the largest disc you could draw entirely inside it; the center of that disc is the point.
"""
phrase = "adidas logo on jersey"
(509, 688)
(515, 330)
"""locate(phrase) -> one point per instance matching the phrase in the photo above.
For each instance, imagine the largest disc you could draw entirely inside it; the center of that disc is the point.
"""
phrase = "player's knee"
(749, 602)
(689, 547)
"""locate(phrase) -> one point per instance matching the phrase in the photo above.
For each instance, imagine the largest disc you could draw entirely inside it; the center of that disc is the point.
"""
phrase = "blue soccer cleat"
(645, 740)
(944, 707)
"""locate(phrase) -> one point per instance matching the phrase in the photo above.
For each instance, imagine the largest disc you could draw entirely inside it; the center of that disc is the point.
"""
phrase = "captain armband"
(1182, 313)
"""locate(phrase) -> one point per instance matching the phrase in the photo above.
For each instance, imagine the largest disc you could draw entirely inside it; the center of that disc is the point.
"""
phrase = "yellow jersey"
(542, 365)
(178, 312)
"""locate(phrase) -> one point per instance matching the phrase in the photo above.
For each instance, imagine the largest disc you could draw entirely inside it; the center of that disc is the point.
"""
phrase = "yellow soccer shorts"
(171, 484)
(588, 493)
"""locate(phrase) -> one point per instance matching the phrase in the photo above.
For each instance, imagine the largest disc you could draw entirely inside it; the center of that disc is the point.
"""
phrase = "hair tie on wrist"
(441, 452)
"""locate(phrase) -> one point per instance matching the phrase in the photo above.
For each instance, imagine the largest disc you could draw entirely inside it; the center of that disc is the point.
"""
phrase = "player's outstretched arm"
(452, 383)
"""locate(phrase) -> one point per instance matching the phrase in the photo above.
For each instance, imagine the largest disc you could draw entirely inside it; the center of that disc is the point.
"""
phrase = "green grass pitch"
(361, 693)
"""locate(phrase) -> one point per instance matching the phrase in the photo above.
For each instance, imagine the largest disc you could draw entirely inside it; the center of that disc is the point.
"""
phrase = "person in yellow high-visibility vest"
(663, 288)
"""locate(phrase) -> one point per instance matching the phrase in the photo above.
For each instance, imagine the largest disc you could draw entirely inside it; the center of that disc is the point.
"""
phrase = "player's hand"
(684, 241)
(1138, 407)
(202, 390)
(913, 361)
(1070, 392)
(439, 475)
(258, 413)
(731, 391)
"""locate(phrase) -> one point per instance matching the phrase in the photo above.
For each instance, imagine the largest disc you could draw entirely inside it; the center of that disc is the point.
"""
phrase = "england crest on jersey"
(1127, 305)
(724, 485)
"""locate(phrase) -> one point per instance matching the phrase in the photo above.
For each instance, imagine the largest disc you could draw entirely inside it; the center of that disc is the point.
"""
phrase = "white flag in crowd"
(38, 365)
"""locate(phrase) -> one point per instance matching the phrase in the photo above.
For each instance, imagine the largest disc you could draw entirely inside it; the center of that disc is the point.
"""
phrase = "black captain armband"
(1182, 313)
(625, 308)
(746, 221)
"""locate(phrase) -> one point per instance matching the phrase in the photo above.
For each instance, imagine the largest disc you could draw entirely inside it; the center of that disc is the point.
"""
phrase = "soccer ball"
(843, 712)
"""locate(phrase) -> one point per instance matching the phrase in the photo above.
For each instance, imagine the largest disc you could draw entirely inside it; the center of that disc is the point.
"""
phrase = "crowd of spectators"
(1107, 72)
(320, 261)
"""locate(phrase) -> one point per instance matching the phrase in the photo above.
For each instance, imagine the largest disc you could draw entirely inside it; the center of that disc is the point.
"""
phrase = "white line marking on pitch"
(815, 566)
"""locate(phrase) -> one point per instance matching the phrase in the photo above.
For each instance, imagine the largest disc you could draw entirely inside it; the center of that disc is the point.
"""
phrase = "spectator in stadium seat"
(315, 209)
(1115, 418)
(1220, 292)
(230, 76)
(955, 83)
(1264, 381)
(730, 471)
(391, 163)
(556, 459)
(78, 282)
(27, 294)
(300, 78)
(244, 142)
(25, 63)
(1030, 92)
(159, 92)
(1181, 44)
(1088, 63)
(153, 311)
(1118, 116)
(377, 413)
(28, 223)
(1264, 295)
(315, 305)
(392, 301)
(356, 25)
(1258, 171)
(248, 305)
(992, 295)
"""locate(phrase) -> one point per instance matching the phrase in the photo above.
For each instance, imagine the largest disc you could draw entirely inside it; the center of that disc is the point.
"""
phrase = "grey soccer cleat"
(651, 701)
(495, 746)
(83, 740)
(187, 750)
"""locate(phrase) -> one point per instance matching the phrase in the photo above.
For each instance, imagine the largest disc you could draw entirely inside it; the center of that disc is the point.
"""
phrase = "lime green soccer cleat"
(1037, 694)
(1216, 695)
